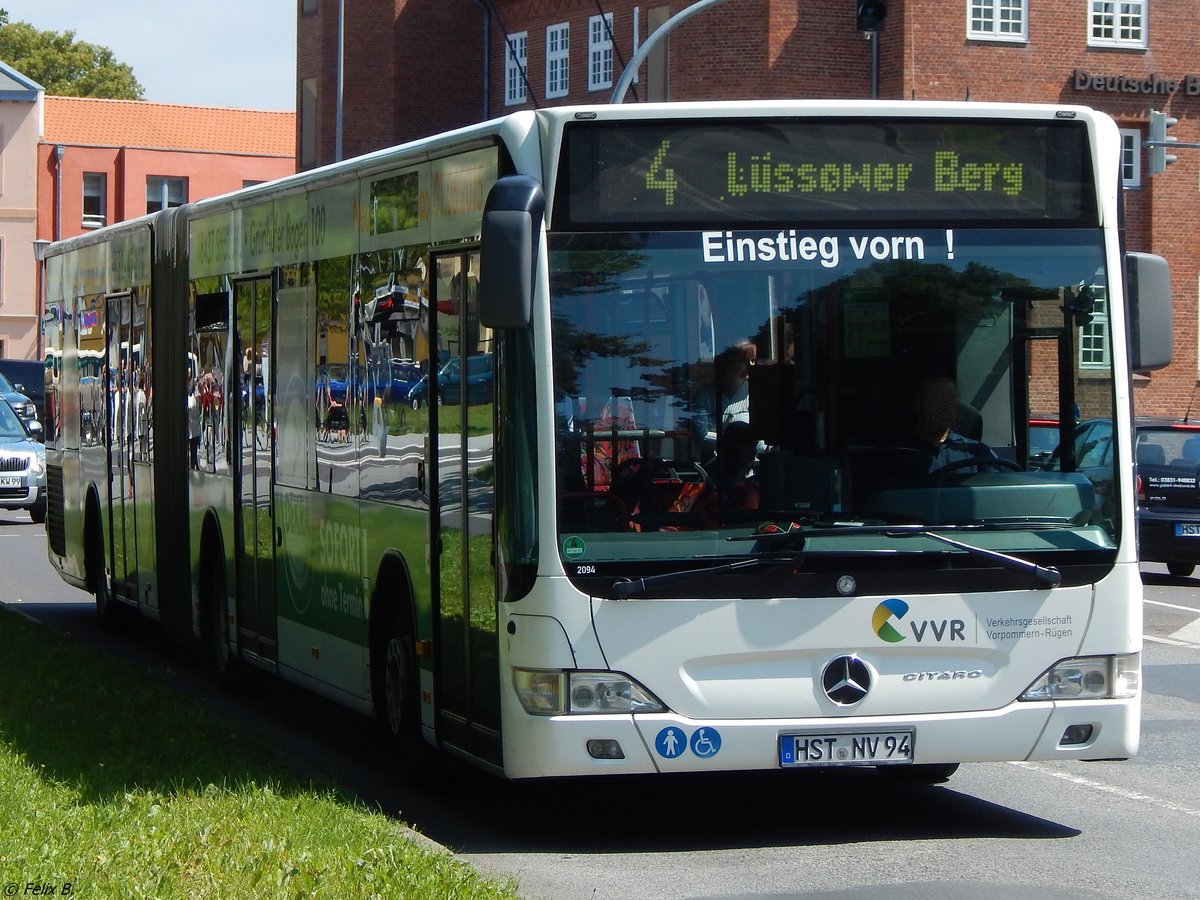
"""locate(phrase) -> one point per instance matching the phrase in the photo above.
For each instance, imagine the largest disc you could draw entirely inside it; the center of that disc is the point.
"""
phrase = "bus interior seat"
(601, 453)
(659, 491)
(969, 422)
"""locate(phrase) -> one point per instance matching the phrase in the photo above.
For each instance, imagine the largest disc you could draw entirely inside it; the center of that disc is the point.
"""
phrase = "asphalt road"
(1005, 830)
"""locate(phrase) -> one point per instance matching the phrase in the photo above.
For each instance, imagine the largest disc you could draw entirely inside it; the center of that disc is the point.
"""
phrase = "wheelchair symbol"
(706, 742)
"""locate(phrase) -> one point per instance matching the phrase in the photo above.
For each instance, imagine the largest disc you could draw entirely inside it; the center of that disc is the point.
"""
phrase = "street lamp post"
(869, 19)
(40, 247)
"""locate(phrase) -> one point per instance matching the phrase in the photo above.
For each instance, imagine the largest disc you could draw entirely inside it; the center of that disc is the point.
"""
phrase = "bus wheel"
(396, 686)
(929, 773)
(107, 606)
(216, 626)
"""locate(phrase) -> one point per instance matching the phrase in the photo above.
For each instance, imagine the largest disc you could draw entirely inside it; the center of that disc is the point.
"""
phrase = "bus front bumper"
(648, 743)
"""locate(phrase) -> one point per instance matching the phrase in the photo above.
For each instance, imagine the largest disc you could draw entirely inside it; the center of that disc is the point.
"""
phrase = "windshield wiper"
(624, 588)
(794, 537)
(1043, 576)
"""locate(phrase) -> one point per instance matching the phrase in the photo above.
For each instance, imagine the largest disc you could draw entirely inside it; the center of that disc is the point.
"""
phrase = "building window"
(1093, 336)
(1093, 344)
(516, 46)
(308, 7)
(163, 192)
(996, 20)
(1118, 23)
(1131, 157)
(600, 52)
(558, 45)
(95, 199)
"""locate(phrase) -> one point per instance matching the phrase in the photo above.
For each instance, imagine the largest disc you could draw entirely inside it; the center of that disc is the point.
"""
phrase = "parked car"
(22, 466)
(28, 377)
(1043, 438)
(1167, 453)
(19, 401)
(22, 405)
(479, 382)
(404, 377)
(1167, 457)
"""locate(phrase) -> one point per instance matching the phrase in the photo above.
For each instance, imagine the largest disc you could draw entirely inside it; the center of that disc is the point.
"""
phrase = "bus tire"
(225, 665)
(927, 773)
(396, 685)
(107, 606)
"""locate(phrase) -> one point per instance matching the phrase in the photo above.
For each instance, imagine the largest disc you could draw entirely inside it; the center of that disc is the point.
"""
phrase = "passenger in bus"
(937, 414)
(727, 400)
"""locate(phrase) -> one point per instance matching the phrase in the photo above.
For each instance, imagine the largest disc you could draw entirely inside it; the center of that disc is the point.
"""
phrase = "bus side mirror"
(511, 232)
(1148, 298)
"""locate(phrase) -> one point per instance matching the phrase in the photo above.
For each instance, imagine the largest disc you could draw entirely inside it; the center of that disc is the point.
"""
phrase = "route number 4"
(661, 178)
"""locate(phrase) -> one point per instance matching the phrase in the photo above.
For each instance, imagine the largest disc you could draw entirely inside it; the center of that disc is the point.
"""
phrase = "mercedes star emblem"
(846, 680)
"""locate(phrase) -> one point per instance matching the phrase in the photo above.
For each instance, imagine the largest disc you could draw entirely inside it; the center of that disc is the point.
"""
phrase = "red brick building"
(416, 67)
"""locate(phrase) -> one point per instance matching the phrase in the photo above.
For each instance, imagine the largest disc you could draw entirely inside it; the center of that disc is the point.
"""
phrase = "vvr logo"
(897, 609)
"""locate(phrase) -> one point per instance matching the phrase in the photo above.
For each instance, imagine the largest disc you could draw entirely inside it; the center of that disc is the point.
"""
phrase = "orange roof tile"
(168, 126)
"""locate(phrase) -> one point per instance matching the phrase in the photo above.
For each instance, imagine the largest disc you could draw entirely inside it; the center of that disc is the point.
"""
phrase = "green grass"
(118, 785)
(402, 420)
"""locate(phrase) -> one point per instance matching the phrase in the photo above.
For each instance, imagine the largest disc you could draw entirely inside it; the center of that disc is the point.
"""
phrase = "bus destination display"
(635, 174)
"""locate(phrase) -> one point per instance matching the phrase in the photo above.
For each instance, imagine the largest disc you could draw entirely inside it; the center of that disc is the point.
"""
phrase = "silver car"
(22, 466)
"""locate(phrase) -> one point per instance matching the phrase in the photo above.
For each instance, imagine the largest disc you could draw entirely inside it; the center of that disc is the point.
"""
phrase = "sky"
(239, 53)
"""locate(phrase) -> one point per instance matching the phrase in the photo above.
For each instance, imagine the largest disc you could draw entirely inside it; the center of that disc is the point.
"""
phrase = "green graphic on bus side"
(321, 561)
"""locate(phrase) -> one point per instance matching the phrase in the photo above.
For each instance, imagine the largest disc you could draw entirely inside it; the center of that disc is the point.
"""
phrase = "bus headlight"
(1088, 678)
(552, 693)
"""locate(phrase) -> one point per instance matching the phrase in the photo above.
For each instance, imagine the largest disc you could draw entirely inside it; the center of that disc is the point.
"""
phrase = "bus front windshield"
(712, 386)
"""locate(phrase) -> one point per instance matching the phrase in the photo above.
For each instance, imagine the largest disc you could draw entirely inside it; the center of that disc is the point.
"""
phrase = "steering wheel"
(996, 463)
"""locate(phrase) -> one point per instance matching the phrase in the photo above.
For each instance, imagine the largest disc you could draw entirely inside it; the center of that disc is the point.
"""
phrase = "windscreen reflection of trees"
(924, 303)
(594, 277)
(926, 315)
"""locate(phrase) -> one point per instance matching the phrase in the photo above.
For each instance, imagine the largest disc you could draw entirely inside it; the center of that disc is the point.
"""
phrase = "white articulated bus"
(637, 439)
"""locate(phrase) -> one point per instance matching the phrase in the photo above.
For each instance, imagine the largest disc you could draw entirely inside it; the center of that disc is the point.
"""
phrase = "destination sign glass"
(635, 175)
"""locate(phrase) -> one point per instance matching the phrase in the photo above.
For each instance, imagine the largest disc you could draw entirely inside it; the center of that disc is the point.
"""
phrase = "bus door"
(461, 408)
(254, 475)
(128, 439)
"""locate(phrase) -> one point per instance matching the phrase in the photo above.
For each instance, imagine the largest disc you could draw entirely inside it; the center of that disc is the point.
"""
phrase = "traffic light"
(871, 14)
(1158, 139)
